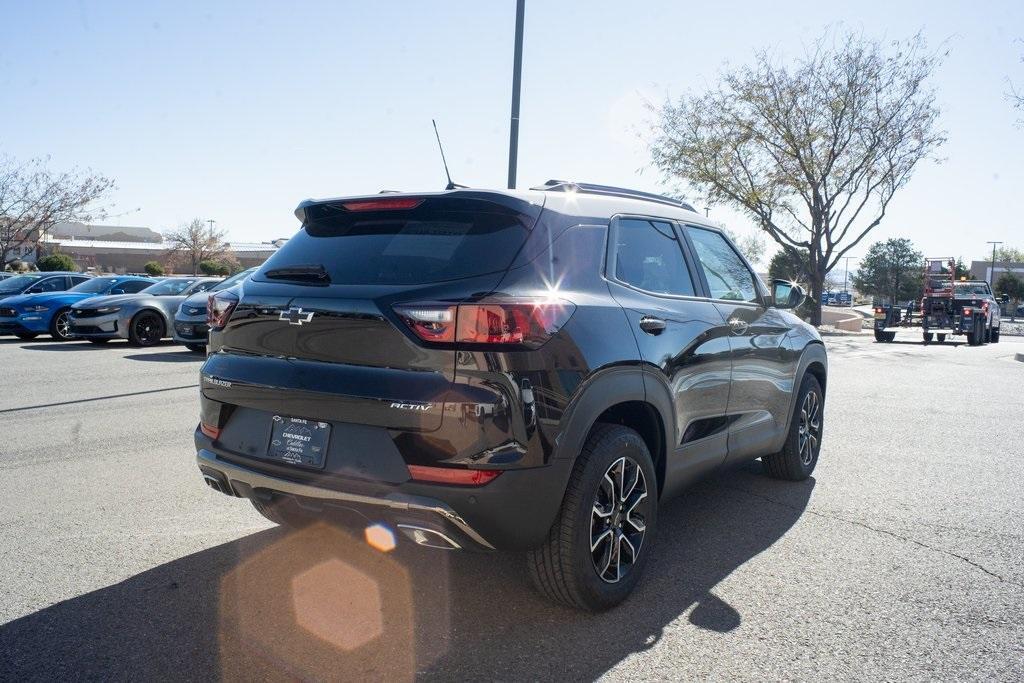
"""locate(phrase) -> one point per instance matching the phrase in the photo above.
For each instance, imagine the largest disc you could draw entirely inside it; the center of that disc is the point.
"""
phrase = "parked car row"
(76, 306)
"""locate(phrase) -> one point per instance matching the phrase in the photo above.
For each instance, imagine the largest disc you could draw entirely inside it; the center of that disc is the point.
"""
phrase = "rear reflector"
(448, 475)
(521, 322)
(209, 430)
(394, 204)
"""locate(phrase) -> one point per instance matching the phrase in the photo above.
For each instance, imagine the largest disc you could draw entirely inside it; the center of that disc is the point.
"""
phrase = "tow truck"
(949, 307)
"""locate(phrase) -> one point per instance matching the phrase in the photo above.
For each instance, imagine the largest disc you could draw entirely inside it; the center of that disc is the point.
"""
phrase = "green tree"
(891, 270)
(1013, 287)
(812, 151)
(56, 262)
(788, 265)
(153, 268)
(1009, 255)
(210, 267)
(962, 271)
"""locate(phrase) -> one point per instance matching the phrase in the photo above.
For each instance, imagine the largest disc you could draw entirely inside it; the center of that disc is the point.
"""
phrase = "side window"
(202, 287)
(728, 277)
(51, 284)
(648, 256)
(77, 280)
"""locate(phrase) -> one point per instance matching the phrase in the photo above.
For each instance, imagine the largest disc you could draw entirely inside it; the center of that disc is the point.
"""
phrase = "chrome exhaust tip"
(214, 483)
(429, 538)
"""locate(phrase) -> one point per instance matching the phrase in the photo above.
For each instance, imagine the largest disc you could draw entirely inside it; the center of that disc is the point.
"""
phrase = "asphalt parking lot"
(902, 558)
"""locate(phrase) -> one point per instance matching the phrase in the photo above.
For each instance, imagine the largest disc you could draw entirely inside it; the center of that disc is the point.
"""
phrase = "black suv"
(505, 370)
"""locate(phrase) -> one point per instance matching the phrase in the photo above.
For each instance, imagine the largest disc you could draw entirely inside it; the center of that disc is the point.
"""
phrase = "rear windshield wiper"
(314, 273)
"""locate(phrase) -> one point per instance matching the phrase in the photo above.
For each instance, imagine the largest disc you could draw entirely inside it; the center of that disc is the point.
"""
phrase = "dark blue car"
(29, 315)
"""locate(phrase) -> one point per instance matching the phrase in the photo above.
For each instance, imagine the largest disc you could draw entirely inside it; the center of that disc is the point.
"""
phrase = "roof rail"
(610, 191)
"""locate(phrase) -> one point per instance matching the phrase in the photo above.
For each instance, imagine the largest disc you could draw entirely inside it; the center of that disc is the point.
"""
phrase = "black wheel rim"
(618, 520)
(147, 329)
(63, 325)
(809, 431)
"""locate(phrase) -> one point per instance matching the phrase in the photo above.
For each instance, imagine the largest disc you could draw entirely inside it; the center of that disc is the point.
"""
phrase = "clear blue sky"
(236, 111)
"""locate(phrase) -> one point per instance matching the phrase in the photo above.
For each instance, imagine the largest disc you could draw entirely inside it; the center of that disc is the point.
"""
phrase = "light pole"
(992, 271)
(517, 73)
(846, 272)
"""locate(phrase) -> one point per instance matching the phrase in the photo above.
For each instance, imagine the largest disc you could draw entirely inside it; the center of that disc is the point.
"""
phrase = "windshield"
(16, 284)
(236, 278)
(94, 286)
(972, 289)
(169, 287)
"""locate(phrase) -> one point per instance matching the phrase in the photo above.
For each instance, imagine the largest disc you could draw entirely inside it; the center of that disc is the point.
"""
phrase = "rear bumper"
(513, 512)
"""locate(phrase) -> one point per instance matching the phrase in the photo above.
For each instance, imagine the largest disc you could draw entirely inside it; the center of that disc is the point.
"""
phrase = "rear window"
(437, 241)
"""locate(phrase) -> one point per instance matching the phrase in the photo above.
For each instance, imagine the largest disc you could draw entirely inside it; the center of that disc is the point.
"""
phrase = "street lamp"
(846, 272)
(517, 75)
(992, 270)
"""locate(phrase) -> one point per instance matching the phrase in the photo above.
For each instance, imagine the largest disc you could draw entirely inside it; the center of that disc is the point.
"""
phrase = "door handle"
(738, 325)
(652, 325)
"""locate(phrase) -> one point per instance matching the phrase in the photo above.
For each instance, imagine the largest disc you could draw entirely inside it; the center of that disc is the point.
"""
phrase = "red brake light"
(523, 321)
(209, 430)
(393, 204)
(219, 307)
(450, 475)
(967, 312)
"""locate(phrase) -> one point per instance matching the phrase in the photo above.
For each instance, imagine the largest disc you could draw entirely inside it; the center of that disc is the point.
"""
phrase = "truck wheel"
(941, 337)
(995, 335)
(974, 336)
(799, 455)
(597, 548)
(884, 337)
(927, 337)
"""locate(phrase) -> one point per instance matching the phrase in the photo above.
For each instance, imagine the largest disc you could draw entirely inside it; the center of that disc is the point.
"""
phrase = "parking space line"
(96, 398)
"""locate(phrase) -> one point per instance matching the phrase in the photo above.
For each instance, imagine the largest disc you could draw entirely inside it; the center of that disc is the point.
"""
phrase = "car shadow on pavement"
(73, 345)
(321, 603)
(183, 356)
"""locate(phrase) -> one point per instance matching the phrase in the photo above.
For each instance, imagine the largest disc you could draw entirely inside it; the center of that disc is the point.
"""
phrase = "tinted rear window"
(438, 241)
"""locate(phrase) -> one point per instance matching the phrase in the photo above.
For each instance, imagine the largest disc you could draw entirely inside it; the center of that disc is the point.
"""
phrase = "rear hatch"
(314, 334)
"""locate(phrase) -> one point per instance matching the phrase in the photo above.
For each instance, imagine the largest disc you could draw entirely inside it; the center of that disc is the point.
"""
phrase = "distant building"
(982, 270)
(111, 233)
(131, 257)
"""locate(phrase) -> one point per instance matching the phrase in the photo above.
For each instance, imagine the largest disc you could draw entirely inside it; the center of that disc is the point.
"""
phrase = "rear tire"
(884, 337)
(942, 338)
(25, 336)
(146, 329)
(598, 546)
(60, 325)
(283, 512)
(995, 335)
(799, 455)
(974, 336)
(928, 337)
(98, 342)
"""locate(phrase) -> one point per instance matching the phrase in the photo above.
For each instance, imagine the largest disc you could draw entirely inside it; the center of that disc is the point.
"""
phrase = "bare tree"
(33, 199)
(195, 242)
(813, 152)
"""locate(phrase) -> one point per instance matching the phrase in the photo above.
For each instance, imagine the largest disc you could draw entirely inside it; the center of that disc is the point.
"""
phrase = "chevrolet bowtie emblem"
(296, 316)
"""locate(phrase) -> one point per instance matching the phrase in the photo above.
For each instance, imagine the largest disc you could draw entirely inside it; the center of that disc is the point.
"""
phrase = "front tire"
(146, 329)
(799, 455)
(927, 337)
(60, 325)
(995, 335)
(598, 546)
(884, 337)
(942, 338)
(99, 341)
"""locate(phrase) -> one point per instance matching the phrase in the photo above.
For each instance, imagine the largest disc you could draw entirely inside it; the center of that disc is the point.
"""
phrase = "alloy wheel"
(810, 427)
(617, 521)
(147, 330)
(63, 325)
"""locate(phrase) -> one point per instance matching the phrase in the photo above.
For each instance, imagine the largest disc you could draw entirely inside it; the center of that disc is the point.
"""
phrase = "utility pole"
(707, 211)
(992, 271)
(846, 272)
(211, 222)
(517, 73)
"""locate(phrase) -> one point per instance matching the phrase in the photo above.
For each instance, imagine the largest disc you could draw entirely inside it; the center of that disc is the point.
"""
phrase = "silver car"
(190, 326)
(143, 319)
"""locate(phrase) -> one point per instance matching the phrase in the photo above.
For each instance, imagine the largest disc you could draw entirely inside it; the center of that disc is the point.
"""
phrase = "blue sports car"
(29, 315)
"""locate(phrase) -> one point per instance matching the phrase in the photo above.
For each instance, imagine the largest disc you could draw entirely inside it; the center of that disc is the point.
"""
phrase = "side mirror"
(786, 294)
(1004, 298)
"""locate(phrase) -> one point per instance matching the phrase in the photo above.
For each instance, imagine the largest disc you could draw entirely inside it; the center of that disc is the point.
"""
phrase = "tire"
(196, 348)
(799, 455)
(995, 335)
(928, 337)
(884, 337)
(942, 338)
(146, 329)
(25, 336)
(282, 512)
(987, 336)
(974, 336)
(98, 342)
(60, 326)
(570, 567)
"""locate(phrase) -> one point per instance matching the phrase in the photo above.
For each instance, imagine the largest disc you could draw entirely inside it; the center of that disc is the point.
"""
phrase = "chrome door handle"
(738, 325)
(652, 325)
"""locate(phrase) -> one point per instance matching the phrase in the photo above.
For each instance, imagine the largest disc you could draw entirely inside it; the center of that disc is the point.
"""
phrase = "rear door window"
(435, 242)
(648, 256)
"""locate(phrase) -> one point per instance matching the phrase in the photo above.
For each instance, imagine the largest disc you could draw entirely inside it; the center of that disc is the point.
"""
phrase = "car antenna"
(451, 185)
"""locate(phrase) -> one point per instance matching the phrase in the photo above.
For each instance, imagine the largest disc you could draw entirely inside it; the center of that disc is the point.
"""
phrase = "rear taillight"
(518, 322)
(219, 307)
(210, 430)
(967, 312)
